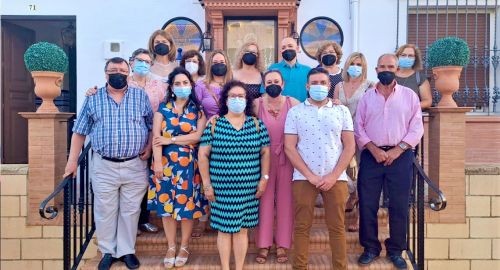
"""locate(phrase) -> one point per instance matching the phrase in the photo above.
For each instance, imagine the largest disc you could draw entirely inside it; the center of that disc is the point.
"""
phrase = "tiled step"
(317, 261)
(152, 243)
(319, 217)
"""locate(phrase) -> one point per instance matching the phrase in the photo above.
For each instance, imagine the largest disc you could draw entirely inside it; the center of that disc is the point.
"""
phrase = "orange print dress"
(178, 193)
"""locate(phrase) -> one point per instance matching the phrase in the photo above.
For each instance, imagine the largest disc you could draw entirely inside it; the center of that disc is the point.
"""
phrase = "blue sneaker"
(398, 261)
(367, 258)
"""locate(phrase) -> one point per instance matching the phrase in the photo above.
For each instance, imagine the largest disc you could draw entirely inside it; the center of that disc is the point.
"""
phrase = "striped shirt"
(117, 130)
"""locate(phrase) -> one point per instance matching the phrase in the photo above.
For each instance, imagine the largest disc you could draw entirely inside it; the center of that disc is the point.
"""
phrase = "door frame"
(256, 18)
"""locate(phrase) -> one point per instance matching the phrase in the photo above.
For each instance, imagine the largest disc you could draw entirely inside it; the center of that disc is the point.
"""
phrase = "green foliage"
(448, 51)
(44, 56)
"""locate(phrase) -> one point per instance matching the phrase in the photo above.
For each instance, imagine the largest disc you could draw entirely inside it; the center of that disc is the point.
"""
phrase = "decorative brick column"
(447, 160)
(47, 155)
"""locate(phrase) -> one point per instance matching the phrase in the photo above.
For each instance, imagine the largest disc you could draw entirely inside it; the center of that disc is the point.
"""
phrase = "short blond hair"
(336, 48)
(239, 58)
(418, 55)
(210, 61)
(350, 59)
(173, 49)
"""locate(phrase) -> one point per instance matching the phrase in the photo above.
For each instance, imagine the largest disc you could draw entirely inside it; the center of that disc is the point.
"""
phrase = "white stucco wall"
(133, 21)
(100, 20)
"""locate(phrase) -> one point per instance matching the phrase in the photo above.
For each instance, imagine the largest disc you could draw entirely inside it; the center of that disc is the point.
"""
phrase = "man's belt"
(118, 159)
(386, 147)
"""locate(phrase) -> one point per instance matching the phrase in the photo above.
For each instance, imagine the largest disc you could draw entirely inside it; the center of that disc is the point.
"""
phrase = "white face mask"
(192, 67)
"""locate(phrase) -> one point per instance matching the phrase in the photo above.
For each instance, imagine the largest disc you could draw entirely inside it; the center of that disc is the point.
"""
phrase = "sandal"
(169, 262)
(262, 256)
(354, 226)
(198, 231)
(281, 255)
(181, 261)
(352, 202)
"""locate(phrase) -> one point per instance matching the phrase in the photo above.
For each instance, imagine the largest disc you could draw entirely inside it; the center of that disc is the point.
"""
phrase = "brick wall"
(22, 246)
(474, 244)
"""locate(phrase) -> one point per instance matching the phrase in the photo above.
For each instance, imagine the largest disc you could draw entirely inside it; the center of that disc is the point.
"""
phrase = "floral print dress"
(178, 193)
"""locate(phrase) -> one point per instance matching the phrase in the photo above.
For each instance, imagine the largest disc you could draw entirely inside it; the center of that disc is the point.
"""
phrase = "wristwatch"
(404, 146)
(265, 176)
(173, 139)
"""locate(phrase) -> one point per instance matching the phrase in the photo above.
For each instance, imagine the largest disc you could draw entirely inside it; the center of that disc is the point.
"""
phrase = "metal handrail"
(435, 204)
(79, 225)
(52, 210)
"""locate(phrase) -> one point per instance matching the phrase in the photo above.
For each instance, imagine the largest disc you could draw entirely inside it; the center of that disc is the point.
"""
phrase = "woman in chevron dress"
(234, 160)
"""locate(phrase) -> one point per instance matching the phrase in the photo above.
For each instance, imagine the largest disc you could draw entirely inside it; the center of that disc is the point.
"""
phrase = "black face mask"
(289, 55)
(117, 80)
(328, 59)
(162, 49)
(386, 77)
(273, 90)
(219, 69)
(249, 58)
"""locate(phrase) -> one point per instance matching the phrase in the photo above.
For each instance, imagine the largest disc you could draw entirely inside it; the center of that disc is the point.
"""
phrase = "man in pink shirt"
(388, 125)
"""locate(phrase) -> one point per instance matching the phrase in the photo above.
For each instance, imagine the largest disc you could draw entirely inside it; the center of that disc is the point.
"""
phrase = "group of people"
(243, 148)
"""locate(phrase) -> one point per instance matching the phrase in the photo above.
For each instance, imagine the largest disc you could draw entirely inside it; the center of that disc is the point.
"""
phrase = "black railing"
(475, 22)
(416, 219)
(78, 205)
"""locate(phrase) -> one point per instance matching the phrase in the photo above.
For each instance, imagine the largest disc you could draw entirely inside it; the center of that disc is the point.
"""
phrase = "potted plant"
(447, 56)
(47, 63)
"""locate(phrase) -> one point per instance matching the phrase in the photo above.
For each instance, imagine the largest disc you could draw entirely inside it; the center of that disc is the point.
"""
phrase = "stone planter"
(47, 87)
(447, 82)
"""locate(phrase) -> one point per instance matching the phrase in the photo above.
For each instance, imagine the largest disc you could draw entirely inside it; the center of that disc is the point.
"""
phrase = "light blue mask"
(236, 105)
(318, 92)
(354, 71)
(182, 92)
(406, 62)
(141, 68)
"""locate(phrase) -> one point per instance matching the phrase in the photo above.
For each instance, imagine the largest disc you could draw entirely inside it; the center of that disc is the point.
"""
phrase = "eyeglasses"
(114, 70)
(328, 52)
(144, 61)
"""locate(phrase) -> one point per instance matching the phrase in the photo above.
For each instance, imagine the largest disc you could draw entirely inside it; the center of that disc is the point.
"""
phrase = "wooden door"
(17, 93)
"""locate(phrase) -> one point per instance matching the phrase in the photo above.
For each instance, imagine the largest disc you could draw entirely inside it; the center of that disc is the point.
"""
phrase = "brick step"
(317, 261)
(319, 217)
(207, 244)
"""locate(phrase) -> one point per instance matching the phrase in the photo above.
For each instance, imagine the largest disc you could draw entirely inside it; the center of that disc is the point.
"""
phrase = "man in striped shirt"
(118, 120)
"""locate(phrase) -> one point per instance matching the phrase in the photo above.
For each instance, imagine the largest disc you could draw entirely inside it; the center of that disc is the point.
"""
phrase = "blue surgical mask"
(236, 105)
(318, 92)
(182, 92)
(354, 71)
(406, 62)
(141, 68)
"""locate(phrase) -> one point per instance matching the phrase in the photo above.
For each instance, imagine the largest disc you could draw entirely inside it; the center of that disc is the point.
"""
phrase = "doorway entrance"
(18, 33)
(263, 31)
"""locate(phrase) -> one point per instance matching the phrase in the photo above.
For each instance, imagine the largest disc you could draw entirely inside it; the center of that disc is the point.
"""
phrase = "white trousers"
(118, 191)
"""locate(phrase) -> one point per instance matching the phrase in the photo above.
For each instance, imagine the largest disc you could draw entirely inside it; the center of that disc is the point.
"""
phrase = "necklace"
(274, 110)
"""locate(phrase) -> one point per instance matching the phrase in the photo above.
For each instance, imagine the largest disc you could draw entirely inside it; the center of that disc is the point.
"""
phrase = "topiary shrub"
(448, 51)
(45, 56)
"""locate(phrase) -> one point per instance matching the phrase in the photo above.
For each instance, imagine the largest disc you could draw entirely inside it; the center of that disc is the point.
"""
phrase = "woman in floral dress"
(175, 185)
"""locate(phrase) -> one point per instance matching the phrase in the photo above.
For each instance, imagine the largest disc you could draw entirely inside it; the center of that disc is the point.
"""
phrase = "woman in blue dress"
(175, 186)
(234, 160)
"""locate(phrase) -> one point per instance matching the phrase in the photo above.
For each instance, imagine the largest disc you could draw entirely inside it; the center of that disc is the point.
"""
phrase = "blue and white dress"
(235, 173)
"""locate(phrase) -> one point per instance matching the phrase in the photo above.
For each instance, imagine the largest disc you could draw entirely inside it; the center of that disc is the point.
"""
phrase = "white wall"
(377, 26)
(100, 20)
(337, 10)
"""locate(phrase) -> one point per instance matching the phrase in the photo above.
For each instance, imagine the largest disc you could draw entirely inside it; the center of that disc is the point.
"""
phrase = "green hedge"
(448, 51)
(45, 56)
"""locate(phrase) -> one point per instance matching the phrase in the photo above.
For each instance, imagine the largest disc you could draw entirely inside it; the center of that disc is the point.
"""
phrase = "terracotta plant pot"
(447, 82)
(47, 87)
